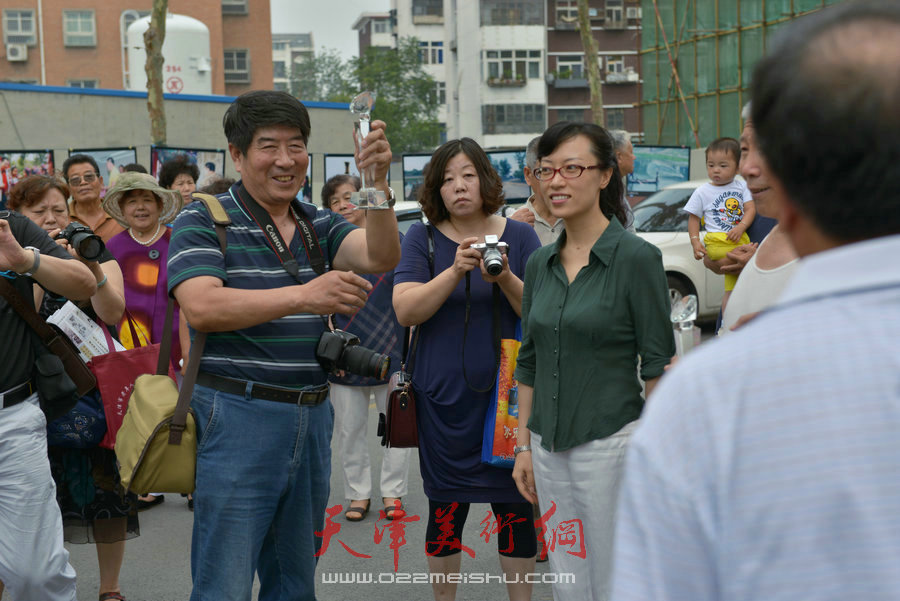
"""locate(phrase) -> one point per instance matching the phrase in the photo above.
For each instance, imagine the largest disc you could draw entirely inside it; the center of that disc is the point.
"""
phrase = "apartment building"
(506, 69)
(616, 29)
(289, 49)
(56, 43)
(375, 29)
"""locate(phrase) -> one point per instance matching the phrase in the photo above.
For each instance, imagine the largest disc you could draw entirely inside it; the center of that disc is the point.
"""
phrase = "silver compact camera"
(492, 251)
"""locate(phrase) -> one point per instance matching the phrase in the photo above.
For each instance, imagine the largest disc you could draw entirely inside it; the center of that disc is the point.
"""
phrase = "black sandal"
(357, 514)
(395, 510)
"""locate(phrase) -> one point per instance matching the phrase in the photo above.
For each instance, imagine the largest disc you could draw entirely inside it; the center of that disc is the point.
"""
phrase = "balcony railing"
(626, 77)
(506, 82)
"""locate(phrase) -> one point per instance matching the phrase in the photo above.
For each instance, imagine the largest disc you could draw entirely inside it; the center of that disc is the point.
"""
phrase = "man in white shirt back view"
(781, 483)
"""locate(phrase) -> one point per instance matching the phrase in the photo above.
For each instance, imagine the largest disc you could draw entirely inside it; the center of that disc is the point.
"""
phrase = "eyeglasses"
(89, 178)
(566, 172)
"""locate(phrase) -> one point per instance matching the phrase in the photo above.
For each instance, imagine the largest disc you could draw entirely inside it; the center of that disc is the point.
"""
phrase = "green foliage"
(323, 78)
(406, 98)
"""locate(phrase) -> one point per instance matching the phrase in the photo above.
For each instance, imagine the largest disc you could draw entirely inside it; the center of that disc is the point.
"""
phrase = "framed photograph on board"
(111, 161)
(210, 161)
(656, 167)
(16, 165)
(337, 164)
(413, 174)
(509, 164)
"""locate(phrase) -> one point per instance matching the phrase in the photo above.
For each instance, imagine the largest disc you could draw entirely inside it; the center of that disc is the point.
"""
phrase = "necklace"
(148, 242)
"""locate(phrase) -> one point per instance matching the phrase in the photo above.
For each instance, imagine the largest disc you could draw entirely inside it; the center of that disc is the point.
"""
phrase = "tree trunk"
(153, 42)
(592, 65)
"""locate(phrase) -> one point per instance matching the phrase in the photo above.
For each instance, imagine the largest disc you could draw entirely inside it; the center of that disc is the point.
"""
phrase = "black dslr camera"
(86, 243)
(340, 350)
(492, 252)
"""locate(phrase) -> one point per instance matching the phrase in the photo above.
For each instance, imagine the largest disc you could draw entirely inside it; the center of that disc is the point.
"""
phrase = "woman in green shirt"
(593, 302)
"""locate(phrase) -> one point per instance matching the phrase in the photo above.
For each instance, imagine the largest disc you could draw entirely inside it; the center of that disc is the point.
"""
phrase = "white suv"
(661, 220)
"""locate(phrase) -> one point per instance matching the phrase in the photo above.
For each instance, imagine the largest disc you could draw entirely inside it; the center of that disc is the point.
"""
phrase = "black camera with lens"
(86, 243)
(492, 251)
(338, 349)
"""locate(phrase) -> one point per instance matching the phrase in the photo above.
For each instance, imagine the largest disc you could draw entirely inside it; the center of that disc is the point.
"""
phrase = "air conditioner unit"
(633, 12)
(16, 53)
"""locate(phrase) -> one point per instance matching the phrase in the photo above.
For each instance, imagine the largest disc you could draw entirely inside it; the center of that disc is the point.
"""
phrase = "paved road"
(157, 564)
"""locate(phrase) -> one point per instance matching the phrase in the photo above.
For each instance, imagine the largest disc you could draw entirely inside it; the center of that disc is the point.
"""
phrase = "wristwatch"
(392, 200)
(37, 261)
(521, 449)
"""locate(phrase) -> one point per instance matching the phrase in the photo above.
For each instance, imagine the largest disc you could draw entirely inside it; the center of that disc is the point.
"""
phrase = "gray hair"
(531, 157)
(620, 138)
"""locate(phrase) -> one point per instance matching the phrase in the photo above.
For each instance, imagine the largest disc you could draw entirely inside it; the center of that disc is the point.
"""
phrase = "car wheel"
(678, 288)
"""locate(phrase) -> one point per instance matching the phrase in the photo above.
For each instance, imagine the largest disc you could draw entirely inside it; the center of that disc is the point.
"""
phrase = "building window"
(237, 66)
(82, 83)
(615, 64)
(234, 7)
(280, 86)
(440, 92)
(279, 69)
(566, 11)
(570, 66)
(615, 118)
(78, 28)
(574, 115)
(380, 27)
(18, 27)
(512, 65)
(512, 118)
(512, 12)
(431, 53)
(614, 11)
(427, 8)
(279, 45)
(130, 16)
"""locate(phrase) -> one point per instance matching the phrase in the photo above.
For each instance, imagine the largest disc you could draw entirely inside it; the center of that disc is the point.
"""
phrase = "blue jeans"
(263, 473)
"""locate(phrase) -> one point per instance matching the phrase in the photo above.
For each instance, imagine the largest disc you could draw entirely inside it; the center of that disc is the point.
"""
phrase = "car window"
(405, 219)
(663, 211)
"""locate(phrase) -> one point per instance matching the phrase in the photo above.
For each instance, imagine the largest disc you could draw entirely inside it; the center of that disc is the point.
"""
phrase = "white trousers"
(351, 416)
(34, 564)
(583, 482)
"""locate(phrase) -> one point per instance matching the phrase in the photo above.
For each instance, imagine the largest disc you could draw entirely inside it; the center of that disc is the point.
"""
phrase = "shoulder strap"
(179, 418)
(26, 312)
(218, 214)
(406, 335)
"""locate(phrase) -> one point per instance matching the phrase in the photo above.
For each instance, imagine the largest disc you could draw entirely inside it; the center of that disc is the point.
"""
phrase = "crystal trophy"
(687, 335)
(367, 197)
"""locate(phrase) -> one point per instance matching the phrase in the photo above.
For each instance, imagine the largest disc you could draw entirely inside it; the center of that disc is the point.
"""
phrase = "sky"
(330, 21)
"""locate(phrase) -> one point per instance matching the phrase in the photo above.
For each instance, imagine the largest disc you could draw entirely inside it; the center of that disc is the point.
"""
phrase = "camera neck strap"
(273, 238)
(495, 291)
(277, 244)
(407, 356)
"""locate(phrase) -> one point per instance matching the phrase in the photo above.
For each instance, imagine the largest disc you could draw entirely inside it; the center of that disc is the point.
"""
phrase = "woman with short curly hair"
(180, 174)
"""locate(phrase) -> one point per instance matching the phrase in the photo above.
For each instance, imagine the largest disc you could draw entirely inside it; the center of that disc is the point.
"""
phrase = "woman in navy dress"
(454, 360)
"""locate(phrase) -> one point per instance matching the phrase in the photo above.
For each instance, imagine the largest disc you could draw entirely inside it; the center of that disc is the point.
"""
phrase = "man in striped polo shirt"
(782, 484)
(264, 456)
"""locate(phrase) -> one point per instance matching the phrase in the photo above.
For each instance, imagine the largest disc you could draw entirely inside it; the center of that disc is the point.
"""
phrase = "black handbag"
(60, 376)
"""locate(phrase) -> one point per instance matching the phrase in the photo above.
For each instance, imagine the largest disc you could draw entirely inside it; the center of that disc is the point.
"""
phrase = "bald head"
(825, 111)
